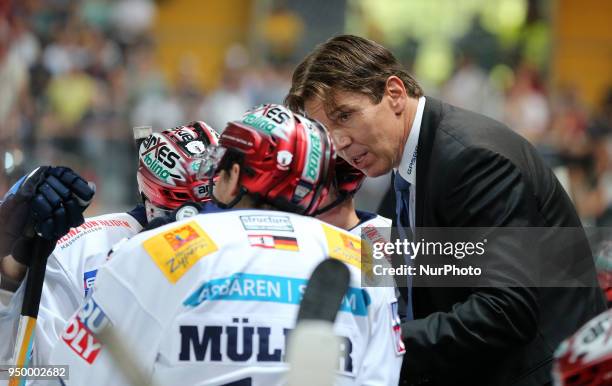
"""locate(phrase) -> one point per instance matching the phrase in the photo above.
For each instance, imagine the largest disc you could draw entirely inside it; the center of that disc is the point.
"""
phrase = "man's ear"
(234, 179)
(395, 90)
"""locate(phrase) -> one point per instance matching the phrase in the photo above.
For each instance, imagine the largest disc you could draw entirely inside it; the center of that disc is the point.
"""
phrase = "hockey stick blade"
(325, 290)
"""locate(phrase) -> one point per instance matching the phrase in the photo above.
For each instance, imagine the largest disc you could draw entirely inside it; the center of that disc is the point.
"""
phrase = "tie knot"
(400, 184)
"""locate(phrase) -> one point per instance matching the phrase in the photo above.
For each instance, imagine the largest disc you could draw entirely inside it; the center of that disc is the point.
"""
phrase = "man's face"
(369, 136)
(224, 188)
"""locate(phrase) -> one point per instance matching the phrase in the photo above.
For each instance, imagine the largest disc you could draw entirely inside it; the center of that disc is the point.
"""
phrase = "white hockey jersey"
(70, 272)
(210, 300)
(369, 220)
(372, 229)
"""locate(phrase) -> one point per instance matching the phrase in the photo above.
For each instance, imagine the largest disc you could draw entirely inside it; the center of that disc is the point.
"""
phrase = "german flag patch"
(285, 243)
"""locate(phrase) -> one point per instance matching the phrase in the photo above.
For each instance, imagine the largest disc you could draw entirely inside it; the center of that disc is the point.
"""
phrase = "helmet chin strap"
(332, 205)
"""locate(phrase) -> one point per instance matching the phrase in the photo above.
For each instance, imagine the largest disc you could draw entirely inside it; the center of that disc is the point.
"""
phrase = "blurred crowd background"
(76, 76)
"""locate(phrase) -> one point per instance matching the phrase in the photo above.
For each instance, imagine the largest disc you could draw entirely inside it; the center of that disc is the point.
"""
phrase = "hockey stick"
(123, 358)
(29, 309)
(313, 347)
(41, 250)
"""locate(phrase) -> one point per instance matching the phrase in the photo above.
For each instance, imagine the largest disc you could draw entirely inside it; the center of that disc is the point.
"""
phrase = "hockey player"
(210, 300)
(168, 164)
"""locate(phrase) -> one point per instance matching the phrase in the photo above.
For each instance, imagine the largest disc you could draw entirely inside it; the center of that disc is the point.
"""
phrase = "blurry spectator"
(144, 76)
(480, 44)
(526, 108)
(70, 97)
(232, 98)
(569, 136)
(132, 19)
(569, 123)
(282, 32)
(13, 81)
(97, 13)
(600, 131)
(601, 125)
(227, 102)
(158, 110)
(268, 84)
(24, 42)
(152, 99)
(471, 88)
(188, 89)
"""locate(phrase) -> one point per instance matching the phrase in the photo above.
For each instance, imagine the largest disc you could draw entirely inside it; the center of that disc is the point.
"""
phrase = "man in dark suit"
(453, 168)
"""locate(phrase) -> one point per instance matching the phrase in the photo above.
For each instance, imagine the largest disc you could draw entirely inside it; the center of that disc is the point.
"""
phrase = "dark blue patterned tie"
(402, 210)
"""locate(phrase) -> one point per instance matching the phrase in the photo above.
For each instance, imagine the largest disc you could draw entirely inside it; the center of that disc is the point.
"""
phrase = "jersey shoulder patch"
(343, 246)
(177, 249)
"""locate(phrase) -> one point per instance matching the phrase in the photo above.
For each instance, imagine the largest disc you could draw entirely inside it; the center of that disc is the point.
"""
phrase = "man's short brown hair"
(346, 63)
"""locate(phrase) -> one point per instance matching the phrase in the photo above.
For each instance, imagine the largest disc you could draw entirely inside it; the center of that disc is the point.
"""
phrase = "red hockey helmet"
(289, 160)
(168, 167)
(585, 359)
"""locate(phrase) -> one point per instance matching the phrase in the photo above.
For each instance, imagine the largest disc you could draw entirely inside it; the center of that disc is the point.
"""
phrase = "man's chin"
(374, 170)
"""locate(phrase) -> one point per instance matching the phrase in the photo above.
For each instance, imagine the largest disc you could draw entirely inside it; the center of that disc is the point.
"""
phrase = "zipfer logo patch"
(343, 246)
(178, 249)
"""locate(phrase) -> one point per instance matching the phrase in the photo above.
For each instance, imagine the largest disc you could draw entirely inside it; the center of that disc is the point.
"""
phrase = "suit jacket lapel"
(432, 115)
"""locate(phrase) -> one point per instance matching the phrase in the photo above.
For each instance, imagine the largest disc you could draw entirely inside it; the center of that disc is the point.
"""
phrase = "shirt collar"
(407, 167)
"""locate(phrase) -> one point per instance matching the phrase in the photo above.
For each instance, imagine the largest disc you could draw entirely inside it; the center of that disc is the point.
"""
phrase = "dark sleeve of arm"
(482, 189)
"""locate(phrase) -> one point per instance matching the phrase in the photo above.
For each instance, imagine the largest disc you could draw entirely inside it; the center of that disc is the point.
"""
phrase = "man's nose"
(341, 141)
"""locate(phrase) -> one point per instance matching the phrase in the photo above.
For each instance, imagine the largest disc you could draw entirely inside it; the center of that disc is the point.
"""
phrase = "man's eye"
(343, 117)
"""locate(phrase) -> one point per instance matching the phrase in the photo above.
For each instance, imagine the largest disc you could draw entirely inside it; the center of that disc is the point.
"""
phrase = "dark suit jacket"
(473, 171)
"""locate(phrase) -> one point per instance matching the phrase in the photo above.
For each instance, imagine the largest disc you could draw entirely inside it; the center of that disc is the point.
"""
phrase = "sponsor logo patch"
(266, 222)
(159, 157)
(342, 246)
(271, 120)
(178, 249)
(195, 147)
(313, 158)
(284, 159)
(79, 335)
(249, 287)
(183, 134)
(89, 278)
(274, 242)
(202, 191)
